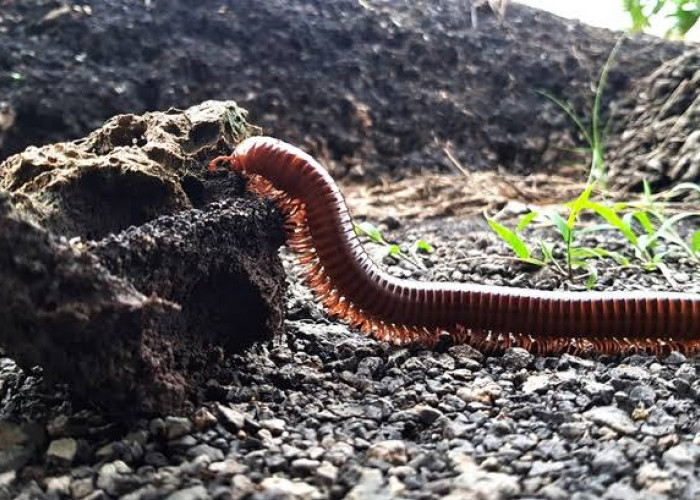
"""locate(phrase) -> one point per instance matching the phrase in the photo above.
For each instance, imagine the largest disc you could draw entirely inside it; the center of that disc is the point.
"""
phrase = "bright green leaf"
(579, 204)
(394, 249)
(370, 230)
(547, 249)
(695, 242)
(592, 277)
(644, 221)
(614, 220)
(512, 239)
(560, 224)
(423, 246)
(599, 253)
(526, 221)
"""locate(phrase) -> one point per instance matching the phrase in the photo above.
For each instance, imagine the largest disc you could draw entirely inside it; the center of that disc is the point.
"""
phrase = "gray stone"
(275, 425)
(80, 488)
(539, 383)
(598, 392)
(370, 485)
(482, 390)
(18, 443)
(278, 487)
(57, 485)
(573, 430)
(427, 414)
(612, 417)
(304, 465)
(542, 468)
(327, 473)
(523, 443)
(234, 420)
(630, 372)
(517, 358)
(643, 394)
(204, 450)
(392, 451)
(198, 492)
(682, 455)
(475, 482)
(176, 427)
(610, 460)
(62, 452)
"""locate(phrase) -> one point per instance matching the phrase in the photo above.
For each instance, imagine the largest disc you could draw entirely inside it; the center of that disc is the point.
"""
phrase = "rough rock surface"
(79, 188)
(61, 309)
(220, 264)
(368, 86)
(660, 138)
(137, 321)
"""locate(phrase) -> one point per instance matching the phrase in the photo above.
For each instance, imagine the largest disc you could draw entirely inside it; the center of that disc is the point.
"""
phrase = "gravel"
(325, 412)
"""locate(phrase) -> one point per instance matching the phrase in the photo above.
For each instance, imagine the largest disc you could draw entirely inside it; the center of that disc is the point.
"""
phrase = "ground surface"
(368, 86)
(325, 412)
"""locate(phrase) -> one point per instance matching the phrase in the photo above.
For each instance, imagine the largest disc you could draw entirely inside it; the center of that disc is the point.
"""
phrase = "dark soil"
(378, 85)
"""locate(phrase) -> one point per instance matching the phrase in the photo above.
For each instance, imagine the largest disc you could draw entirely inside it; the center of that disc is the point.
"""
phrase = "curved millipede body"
(354, 289)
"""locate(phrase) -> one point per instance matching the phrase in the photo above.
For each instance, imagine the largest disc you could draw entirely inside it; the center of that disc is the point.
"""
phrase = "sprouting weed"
(644, 223)
(396, 250)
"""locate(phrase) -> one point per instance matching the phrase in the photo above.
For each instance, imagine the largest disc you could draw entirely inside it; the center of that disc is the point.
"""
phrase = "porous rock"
(138, 320)
(131, 170)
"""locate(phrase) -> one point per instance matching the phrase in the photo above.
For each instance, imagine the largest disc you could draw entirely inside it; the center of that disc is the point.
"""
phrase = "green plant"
(595, 135)
(578, 261)
(685, 13)
(575, 257)
(396, 250)
(644, 223)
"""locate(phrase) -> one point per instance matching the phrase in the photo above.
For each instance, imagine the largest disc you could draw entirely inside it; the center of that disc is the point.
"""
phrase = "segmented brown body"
(354, 289)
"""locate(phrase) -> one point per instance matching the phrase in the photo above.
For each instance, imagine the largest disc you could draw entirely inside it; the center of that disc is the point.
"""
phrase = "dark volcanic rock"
(220, 264)
(129, 171)
(64, 311)
(138, 320)
(116, 339)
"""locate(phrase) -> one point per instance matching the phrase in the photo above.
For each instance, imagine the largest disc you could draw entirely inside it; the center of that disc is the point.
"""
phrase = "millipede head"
(219, 161)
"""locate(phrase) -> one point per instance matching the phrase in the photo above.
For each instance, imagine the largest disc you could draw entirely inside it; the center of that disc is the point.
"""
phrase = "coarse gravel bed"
(328, 413)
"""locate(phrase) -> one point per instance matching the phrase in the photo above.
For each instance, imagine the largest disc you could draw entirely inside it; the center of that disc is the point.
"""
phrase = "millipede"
(355, 290)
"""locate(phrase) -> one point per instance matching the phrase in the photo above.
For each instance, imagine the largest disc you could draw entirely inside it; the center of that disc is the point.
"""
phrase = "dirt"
(128, 271)
(436, 196)
(660, 141)
(368, 86)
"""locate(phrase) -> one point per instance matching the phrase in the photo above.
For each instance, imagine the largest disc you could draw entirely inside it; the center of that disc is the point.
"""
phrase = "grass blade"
(526, 221)
(614, 220)
(695, 241)
(561, 225)
(370, 230)
(511, 238)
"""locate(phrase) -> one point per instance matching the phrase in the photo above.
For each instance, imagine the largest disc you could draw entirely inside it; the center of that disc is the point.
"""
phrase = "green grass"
(407, 253)
(645, 223)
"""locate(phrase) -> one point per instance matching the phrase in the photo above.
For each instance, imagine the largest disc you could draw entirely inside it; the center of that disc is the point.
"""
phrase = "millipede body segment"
(492, 318)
